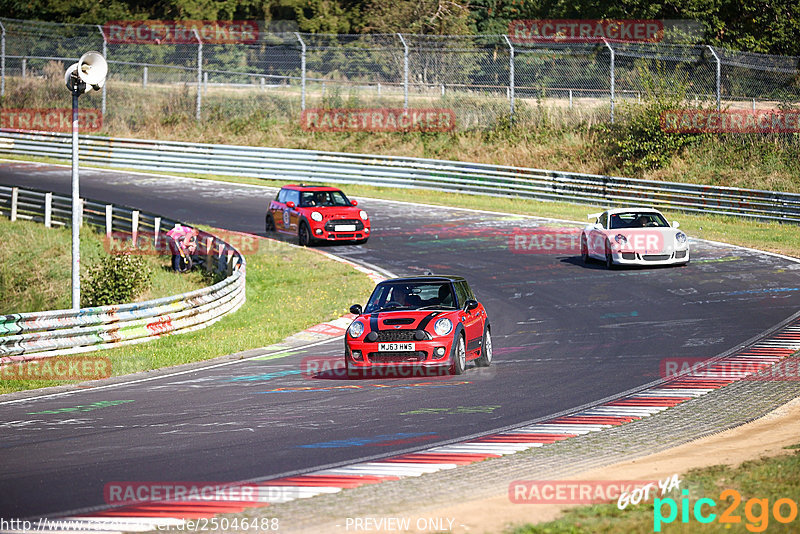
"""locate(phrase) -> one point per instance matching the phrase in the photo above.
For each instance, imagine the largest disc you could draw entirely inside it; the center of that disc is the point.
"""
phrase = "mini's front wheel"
(485, 359)
(304, 235)
(459, 364)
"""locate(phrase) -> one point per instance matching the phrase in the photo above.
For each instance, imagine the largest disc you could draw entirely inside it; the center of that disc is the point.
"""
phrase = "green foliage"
(119, 278)
(638, 143)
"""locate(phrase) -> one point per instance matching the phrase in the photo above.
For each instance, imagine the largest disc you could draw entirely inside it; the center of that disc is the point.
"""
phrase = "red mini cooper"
(429, 322)
(317, 213)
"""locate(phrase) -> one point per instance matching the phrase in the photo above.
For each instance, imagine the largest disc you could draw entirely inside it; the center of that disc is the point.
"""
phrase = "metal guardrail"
(404, 172)
(26, 336)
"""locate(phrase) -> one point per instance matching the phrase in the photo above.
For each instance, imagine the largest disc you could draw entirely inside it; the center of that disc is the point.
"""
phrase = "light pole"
(89, 72)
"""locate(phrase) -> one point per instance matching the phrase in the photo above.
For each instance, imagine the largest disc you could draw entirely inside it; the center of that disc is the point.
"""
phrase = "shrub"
(118, 279)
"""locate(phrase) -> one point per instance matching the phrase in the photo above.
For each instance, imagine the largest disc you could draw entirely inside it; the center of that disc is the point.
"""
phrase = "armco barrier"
(393, 171)
(26, 336)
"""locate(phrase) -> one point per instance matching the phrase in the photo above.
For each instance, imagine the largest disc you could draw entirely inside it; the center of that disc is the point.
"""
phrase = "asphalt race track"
(565, 334)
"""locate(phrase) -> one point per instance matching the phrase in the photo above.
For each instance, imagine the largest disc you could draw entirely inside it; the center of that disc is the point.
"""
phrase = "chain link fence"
(484, 79)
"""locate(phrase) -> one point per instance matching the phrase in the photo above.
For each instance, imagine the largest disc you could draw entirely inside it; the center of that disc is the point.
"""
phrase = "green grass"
(45, 284)
(288, 290)
(767, 478)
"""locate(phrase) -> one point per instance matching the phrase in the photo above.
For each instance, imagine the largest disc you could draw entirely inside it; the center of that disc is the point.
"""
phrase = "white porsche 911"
(634, 236)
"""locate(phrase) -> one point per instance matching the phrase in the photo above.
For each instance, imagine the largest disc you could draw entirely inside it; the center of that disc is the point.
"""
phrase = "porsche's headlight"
(442, 327)
(317, 216)
(680, 237)
(363, 215)
(621, 239)
(356, 329)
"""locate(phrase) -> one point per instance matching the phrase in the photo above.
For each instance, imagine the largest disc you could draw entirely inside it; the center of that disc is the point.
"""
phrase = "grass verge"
(29, 286)
(280, 279)
(765, 481)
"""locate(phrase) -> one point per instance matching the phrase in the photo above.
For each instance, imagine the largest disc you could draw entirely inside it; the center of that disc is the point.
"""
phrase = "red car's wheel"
(459, 364)
(485, 359)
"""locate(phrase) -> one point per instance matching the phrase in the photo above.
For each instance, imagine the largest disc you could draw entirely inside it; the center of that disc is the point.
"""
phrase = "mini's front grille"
(331, 225)
(396, 335)
(655, 257)
(343, 236)
(399, 357)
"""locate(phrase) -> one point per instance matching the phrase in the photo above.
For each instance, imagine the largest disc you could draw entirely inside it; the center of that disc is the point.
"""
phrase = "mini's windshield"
(634, 219)
(411, 296)
(323, 199)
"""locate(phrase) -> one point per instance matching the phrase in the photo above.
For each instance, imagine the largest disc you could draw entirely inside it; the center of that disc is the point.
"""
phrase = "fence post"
(135, 227)
(510, 77)
(48, 210)
(209, 254)
(109, 219)
(405, 71)
(302, 71)
(612, 78)
(199, 73)
(2, 59)
(156, 231)
(105, 53)
(144, 76)
(719, 73)
(24, 66)
(14, 203)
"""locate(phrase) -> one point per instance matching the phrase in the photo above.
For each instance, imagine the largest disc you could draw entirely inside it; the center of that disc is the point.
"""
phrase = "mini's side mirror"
(291, 205)
(354, 202)
(471, 304)
(676, 224)
(355, 309)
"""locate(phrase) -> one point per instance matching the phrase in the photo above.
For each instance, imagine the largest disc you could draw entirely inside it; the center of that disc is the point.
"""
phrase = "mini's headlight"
(356, 329)
(363, 215)
(317, 216)
(442, 327)
(621, 239)
(680, 237)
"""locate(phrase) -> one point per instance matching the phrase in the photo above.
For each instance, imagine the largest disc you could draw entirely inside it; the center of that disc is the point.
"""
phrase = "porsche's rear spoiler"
(593, 216)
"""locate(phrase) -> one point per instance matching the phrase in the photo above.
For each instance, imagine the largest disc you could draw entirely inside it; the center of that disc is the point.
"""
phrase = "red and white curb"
(754, 358)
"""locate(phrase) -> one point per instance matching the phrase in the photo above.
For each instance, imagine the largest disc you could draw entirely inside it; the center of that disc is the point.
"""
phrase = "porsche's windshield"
(411, 296)
(637, 219)
(323, 199)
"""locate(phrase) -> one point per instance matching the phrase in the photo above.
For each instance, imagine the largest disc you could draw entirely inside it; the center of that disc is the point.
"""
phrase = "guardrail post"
(48, 210)
(209, 254)
(199, 73)
(24, 66)
(2, 60)
(229, 264)
(156, 231)
(405, 71)
(14, 203)
(144, 76)
(105, 53)
(510, 77)
(135, 226)
(719, 73)
(109, 219)
(302, 71)
(612, 78)
(570, 99)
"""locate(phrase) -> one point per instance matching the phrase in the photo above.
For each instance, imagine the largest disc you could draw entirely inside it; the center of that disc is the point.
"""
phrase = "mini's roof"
(304, 187)
(426, 278)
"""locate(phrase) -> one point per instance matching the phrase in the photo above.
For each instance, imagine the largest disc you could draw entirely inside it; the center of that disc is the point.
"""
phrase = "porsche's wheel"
(304, 235)
(269, 225)
(584, 250)
(609, 258)
(485, 359)
(459, 364)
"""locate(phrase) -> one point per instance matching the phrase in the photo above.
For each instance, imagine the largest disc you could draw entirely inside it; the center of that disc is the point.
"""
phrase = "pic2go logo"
(756, 511)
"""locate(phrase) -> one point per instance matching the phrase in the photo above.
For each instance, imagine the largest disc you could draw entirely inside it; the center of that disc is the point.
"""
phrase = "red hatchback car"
(433, 322)
(317, 213)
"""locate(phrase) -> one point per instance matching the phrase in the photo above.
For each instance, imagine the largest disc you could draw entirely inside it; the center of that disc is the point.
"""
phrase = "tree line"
(764, 26)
